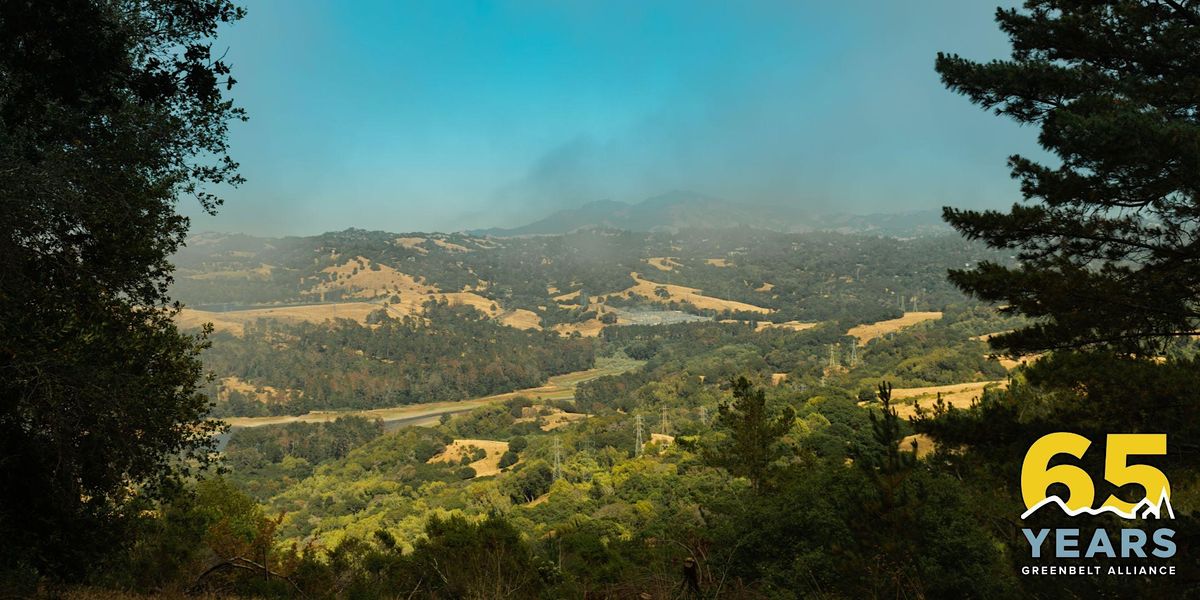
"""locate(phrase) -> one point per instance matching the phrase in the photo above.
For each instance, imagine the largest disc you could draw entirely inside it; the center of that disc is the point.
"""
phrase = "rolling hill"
(679, 210)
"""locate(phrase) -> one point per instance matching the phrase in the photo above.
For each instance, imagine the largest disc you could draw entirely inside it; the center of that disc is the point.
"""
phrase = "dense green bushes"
(457, 354)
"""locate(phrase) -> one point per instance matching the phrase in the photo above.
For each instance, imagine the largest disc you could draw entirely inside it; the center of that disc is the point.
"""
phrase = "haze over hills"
(679, 210)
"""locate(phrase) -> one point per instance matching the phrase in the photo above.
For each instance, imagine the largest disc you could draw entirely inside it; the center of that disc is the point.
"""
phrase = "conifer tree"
(755, 434)
(1107, 241)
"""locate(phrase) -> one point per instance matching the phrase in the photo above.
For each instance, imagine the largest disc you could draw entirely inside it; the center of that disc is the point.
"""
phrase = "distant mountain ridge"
(678, 210)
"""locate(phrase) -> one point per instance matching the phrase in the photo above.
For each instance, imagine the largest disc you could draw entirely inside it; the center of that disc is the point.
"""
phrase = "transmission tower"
(557, 459)
(853, 352)
(638, 425)
(833, 361)
(703, 416)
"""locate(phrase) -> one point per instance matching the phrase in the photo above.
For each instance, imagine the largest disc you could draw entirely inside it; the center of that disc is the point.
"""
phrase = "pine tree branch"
(1185, 12)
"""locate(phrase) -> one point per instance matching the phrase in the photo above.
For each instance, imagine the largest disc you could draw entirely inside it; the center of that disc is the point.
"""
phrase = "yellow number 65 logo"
(1036, 476)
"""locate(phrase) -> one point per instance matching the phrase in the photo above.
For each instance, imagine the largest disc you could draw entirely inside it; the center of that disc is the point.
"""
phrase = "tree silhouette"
(1107, 241)
(110, 112)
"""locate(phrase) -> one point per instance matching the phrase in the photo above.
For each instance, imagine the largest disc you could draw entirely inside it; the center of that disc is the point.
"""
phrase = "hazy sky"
(447, 115)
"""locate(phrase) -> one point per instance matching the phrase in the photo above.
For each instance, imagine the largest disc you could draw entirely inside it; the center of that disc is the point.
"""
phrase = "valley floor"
(558, 387)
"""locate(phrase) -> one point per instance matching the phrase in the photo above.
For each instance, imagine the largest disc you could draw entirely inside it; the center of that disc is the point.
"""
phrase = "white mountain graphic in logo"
(1142, 510)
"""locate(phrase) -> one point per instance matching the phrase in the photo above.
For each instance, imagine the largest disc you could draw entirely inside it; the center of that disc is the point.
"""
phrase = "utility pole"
(638, 424)
(557, 459)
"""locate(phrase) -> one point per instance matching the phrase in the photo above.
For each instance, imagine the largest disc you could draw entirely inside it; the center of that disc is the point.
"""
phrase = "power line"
(638, 426)
(557, 459)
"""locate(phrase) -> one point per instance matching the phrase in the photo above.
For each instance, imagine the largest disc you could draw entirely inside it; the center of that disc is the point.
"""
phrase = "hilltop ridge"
(678, 210)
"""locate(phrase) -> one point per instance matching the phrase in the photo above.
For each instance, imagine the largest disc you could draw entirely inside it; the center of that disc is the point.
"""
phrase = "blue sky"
(447, 115)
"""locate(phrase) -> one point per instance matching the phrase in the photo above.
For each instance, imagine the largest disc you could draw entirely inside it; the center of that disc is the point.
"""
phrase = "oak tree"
(111, 112)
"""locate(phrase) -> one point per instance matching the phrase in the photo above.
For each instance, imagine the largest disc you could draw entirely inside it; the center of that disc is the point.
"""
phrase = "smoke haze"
(450, 116)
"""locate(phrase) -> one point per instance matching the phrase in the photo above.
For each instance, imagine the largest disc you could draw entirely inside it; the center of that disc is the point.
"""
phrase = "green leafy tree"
(1107, 240)
(755, 434)
(508, 459)
(110, 112)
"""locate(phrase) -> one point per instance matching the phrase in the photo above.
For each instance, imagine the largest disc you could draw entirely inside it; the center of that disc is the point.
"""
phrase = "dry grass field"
(793, 325)
(662, 439)
(1005, 361)
(663, 263)
(521, 319)
(558, 419)
(399, 293)
(554, 418)
(361, 278)
(870, 331)
(679, 293)
(261, 273)
(567, 296)
(232, 321)
(925, 444)
(260, 393)
(717, 262)
(484, 467)
(765, 287)
(412, 243)
(589, 328)
(451, 246)
(761, 325)
(959, 395)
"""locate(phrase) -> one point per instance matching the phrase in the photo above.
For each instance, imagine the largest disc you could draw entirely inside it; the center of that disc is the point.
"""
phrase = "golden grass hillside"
(958, 395)
(233, 321)
(763, 325)
(260, 393)
(484, 467)
(262, 272)
(520, 319)
(412, 243)
(663, 263)
(374, 286)
(870, 331)
(650, 290)
(362, 278)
